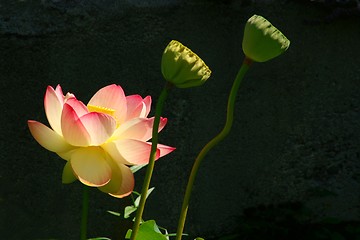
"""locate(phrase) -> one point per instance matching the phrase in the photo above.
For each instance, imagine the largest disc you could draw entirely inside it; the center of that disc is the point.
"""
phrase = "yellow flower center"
(100, 109)
(108, 111)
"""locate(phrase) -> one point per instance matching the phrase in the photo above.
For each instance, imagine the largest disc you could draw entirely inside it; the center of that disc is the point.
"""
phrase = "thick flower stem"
(84, 213)
(229, 120)
(150, 167)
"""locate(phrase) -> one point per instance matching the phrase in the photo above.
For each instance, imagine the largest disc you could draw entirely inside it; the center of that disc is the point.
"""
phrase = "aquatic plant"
(102, 139)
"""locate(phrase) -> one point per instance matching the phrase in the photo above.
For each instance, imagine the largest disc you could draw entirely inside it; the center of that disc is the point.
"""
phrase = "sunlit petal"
(78, 107)
(111, 97)
(91, 167)
(59, 93)
(68, 174)
(122, 181)
(47, 138)
(127, 184)
(53, 103)
(164, 150)
(67, 154)
(129, 151)
(137, 106)
(99, 126)
(132, 101)
(137, 128)
(147, 102)
(73, 130)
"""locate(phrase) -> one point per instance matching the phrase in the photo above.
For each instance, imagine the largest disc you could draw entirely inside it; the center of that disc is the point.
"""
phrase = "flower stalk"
(227, 127)
(150, 167)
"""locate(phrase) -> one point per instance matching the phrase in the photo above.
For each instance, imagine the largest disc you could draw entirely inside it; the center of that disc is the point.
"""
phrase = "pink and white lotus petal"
(100, 127)
(59, 93)
(137, 128)
(73, 129)
(164, 149)
(111, 97)
(130, 151)
(90, 166)
(67, 154)
(68, 174)
(147, 101)
(127, 184)
(78, 107)
(100, 139)
(122, 181)
(53, 103)
(137, 106)
(47, 138)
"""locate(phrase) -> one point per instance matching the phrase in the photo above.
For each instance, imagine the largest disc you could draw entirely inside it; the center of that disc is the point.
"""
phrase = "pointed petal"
(78, 106)
(122, 181)
(73, 130)
(53, 103)
(112, 97)
(137, 106)
(137, 128)
(47, 138)
(100, 127)
(132, 102)
(129, 151)
(91, 167)
(59, 93)
(164, 150)
(147, 102)
(68, 175)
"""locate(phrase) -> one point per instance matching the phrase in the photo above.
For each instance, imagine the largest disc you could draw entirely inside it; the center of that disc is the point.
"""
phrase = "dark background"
(292, 158)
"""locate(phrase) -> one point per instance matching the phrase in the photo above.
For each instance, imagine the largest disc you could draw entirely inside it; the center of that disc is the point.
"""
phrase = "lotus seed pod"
(262, 41)
(182, 67)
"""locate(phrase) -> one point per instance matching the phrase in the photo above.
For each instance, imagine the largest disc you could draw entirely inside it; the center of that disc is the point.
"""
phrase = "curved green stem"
(150, 167)
(229, 120)
(84, 213)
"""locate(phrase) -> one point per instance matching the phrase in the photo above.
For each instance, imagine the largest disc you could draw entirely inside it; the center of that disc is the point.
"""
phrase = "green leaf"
(129, 210)
(136, 168)
(137, 200)
(136, 193)
(128, 234)
(114, 213)
(149, 230)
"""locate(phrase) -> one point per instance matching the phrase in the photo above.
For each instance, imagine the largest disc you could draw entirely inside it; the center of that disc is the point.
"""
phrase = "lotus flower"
(101, 139)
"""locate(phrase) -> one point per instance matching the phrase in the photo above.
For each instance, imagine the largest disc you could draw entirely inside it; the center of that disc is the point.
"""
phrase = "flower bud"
(182, 67)
(262, 41)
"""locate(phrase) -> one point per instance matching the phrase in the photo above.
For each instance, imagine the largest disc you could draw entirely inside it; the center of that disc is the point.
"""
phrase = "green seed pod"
(182, 67)
(262, 41)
